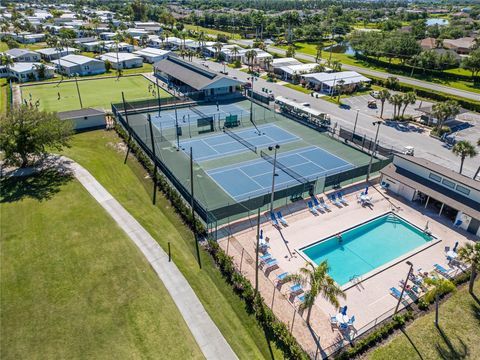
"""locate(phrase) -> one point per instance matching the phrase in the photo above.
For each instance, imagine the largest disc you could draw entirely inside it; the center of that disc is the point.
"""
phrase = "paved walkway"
(208, 336)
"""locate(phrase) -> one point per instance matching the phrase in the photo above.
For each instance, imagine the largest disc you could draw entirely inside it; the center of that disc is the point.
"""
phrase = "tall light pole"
(404, 285)
(252, 79)
(377, 124)
(274, 148)
(355, 125)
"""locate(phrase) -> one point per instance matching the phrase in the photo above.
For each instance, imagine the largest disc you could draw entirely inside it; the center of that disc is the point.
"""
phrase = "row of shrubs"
(429, 94)
(163, 185)
(400, 320)
(274, 328)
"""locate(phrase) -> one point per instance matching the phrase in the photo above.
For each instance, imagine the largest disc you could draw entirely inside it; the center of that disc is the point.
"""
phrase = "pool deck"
(368, 300)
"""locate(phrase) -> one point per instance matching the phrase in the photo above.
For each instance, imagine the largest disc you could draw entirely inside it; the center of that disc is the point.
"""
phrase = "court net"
(285, 169)
(198, 112)
(240, 140)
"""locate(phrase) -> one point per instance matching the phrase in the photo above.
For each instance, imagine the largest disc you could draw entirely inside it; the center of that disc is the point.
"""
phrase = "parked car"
(375, 94)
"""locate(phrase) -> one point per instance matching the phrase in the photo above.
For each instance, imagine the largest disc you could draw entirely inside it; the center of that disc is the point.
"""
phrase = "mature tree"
(320, 284)
(463, 149)
(6, 61)
(408, 99)
(218, 48)
(443, 111)
(383, 95)
(339, 88)
(251, 55)
(478, 170)
(470, 254)
(318, 52)
(291, 51)
(27, 134)
(472, 63)
(392, 82)
(268, 61)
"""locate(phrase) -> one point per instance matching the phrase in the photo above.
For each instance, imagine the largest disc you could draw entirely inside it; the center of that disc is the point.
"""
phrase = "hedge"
(274, 328)
(430, 94)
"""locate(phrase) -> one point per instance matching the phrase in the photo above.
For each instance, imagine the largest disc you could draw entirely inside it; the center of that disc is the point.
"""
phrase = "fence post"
(169, 253)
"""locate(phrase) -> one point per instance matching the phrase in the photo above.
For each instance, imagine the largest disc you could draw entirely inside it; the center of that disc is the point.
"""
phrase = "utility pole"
(272, 197)
(375, 123)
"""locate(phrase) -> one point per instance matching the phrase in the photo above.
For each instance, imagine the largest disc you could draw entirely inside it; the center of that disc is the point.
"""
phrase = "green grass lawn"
(457, 338)
(4, 88)
(97, 151)
(73, 285)
(212, 31)
(298, 88)
(94, 93)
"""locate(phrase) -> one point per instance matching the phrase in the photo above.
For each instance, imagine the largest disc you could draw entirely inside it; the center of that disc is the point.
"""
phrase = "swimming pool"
(367, 247)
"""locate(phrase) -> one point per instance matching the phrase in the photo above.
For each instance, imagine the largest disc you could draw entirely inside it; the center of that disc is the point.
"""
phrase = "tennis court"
(187, 116)
(253, 178)
(212, 147)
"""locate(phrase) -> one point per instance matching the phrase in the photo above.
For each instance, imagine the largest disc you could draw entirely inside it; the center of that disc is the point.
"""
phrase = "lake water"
(437, 21)
(342, 48)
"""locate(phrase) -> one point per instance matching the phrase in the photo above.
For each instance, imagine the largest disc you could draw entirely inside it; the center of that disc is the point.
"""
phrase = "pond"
(342, 48)
(437, 21)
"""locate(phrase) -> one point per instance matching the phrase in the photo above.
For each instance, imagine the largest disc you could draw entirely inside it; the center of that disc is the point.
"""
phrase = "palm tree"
(6, 61)
(268, 61)
(383, 95)
(319, 68)
(336, 65)
(478, 170)
(291, 51)
(339, 88)
(396, 100)
(408, 99)
(320, 284)
(218, 47)
(470, 254)
(251, 55)
(391, 82)
(443, 111)
(41, 70)
(463, 149)
(318, 54)
(235, 53)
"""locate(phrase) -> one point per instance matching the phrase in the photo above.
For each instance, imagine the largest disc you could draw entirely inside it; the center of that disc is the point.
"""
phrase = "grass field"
(73, 285)
(94, 93)
(457, 338)
(211, 31)
(99, 152)
(4, 89)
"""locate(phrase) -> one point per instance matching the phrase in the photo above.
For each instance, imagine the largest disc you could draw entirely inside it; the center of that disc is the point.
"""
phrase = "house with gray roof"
(122, 60)
(189, 77)
(27, 71)
(50, 54)
(23, 55)
(71, 65)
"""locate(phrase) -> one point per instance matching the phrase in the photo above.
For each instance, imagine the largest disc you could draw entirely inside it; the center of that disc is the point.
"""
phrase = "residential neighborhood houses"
(240, 179)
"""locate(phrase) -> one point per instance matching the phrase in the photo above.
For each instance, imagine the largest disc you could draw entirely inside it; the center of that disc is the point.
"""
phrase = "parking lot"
(361, 103)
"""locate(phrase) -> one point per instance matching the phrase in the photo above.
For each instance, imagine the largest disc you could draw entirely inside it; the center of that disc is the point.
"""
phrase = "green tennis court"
(96, 93)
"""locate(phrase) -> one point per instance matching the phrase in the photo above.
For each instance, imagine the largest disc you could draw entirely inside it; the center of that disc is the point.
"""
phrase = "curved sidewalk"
(206, 333)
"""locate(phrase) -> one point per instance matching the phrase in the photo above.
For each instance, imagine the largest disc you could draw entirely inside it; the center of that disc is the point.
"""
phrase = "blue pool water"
(367, 247)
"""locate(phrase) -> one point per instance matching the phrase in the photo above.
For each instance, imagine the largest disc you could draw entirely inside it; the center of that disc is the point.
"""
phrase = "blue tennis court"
(186, 117)
(254, 178)
(216, 146)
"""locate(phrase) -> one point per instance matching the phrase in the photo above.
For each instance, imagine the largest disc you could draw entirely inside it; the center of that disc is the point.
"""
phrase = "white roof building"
(122, 60)
(330, 79)
(152, 55)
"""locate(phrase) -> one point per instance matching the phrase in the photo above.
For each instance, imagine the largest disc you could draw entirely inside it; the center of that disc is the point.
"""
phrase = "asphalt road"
(425, 146)
(407, 80)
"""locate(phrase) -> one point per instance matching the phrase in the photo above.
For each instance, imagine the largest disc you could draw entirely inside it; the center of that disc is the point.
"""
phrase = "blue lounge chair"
(396, 293)
(296, 289)
(442, 271)
(334, 200)
(324, 204)
(458, 223)
(341, 199)
(312, 209)
(301, 298)
(270, 263)
(351, 321)
(281, 277)
(344, 310)
(274, 220)
(333, 321)
(317, 204)
(281, 219)
(265, 258)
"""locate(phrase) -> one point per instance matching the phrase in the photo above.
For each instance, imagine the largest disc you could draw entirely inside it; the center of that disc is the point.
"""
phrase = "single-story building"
(122, 60)
(27, 71)
(427, 115)
(327, 82)
(122, 47)
(23, 55)
(428, 43)
(258, 60)
(95, 46)
(460, 46)
(152, 55)
(50, 54)
(192, 78)
(106, 35)
(137, 33)
(84, 119)
(78, 64)
(149, 26)
(289, 72)
(28, 38)
(277, 64)
(437, 188)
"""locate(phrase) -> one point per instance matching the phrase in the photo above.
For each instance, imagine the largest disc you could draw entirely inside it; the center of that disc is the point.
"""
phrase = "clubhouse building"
(192, 79)
(437, 188)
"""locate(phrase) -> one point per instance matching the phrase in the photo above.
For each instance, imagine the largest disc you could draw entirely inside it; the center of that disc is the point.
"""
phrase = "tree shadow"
(449, 351)
(475, 298)
(40, 186)
(412, 343)
(476, 311)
